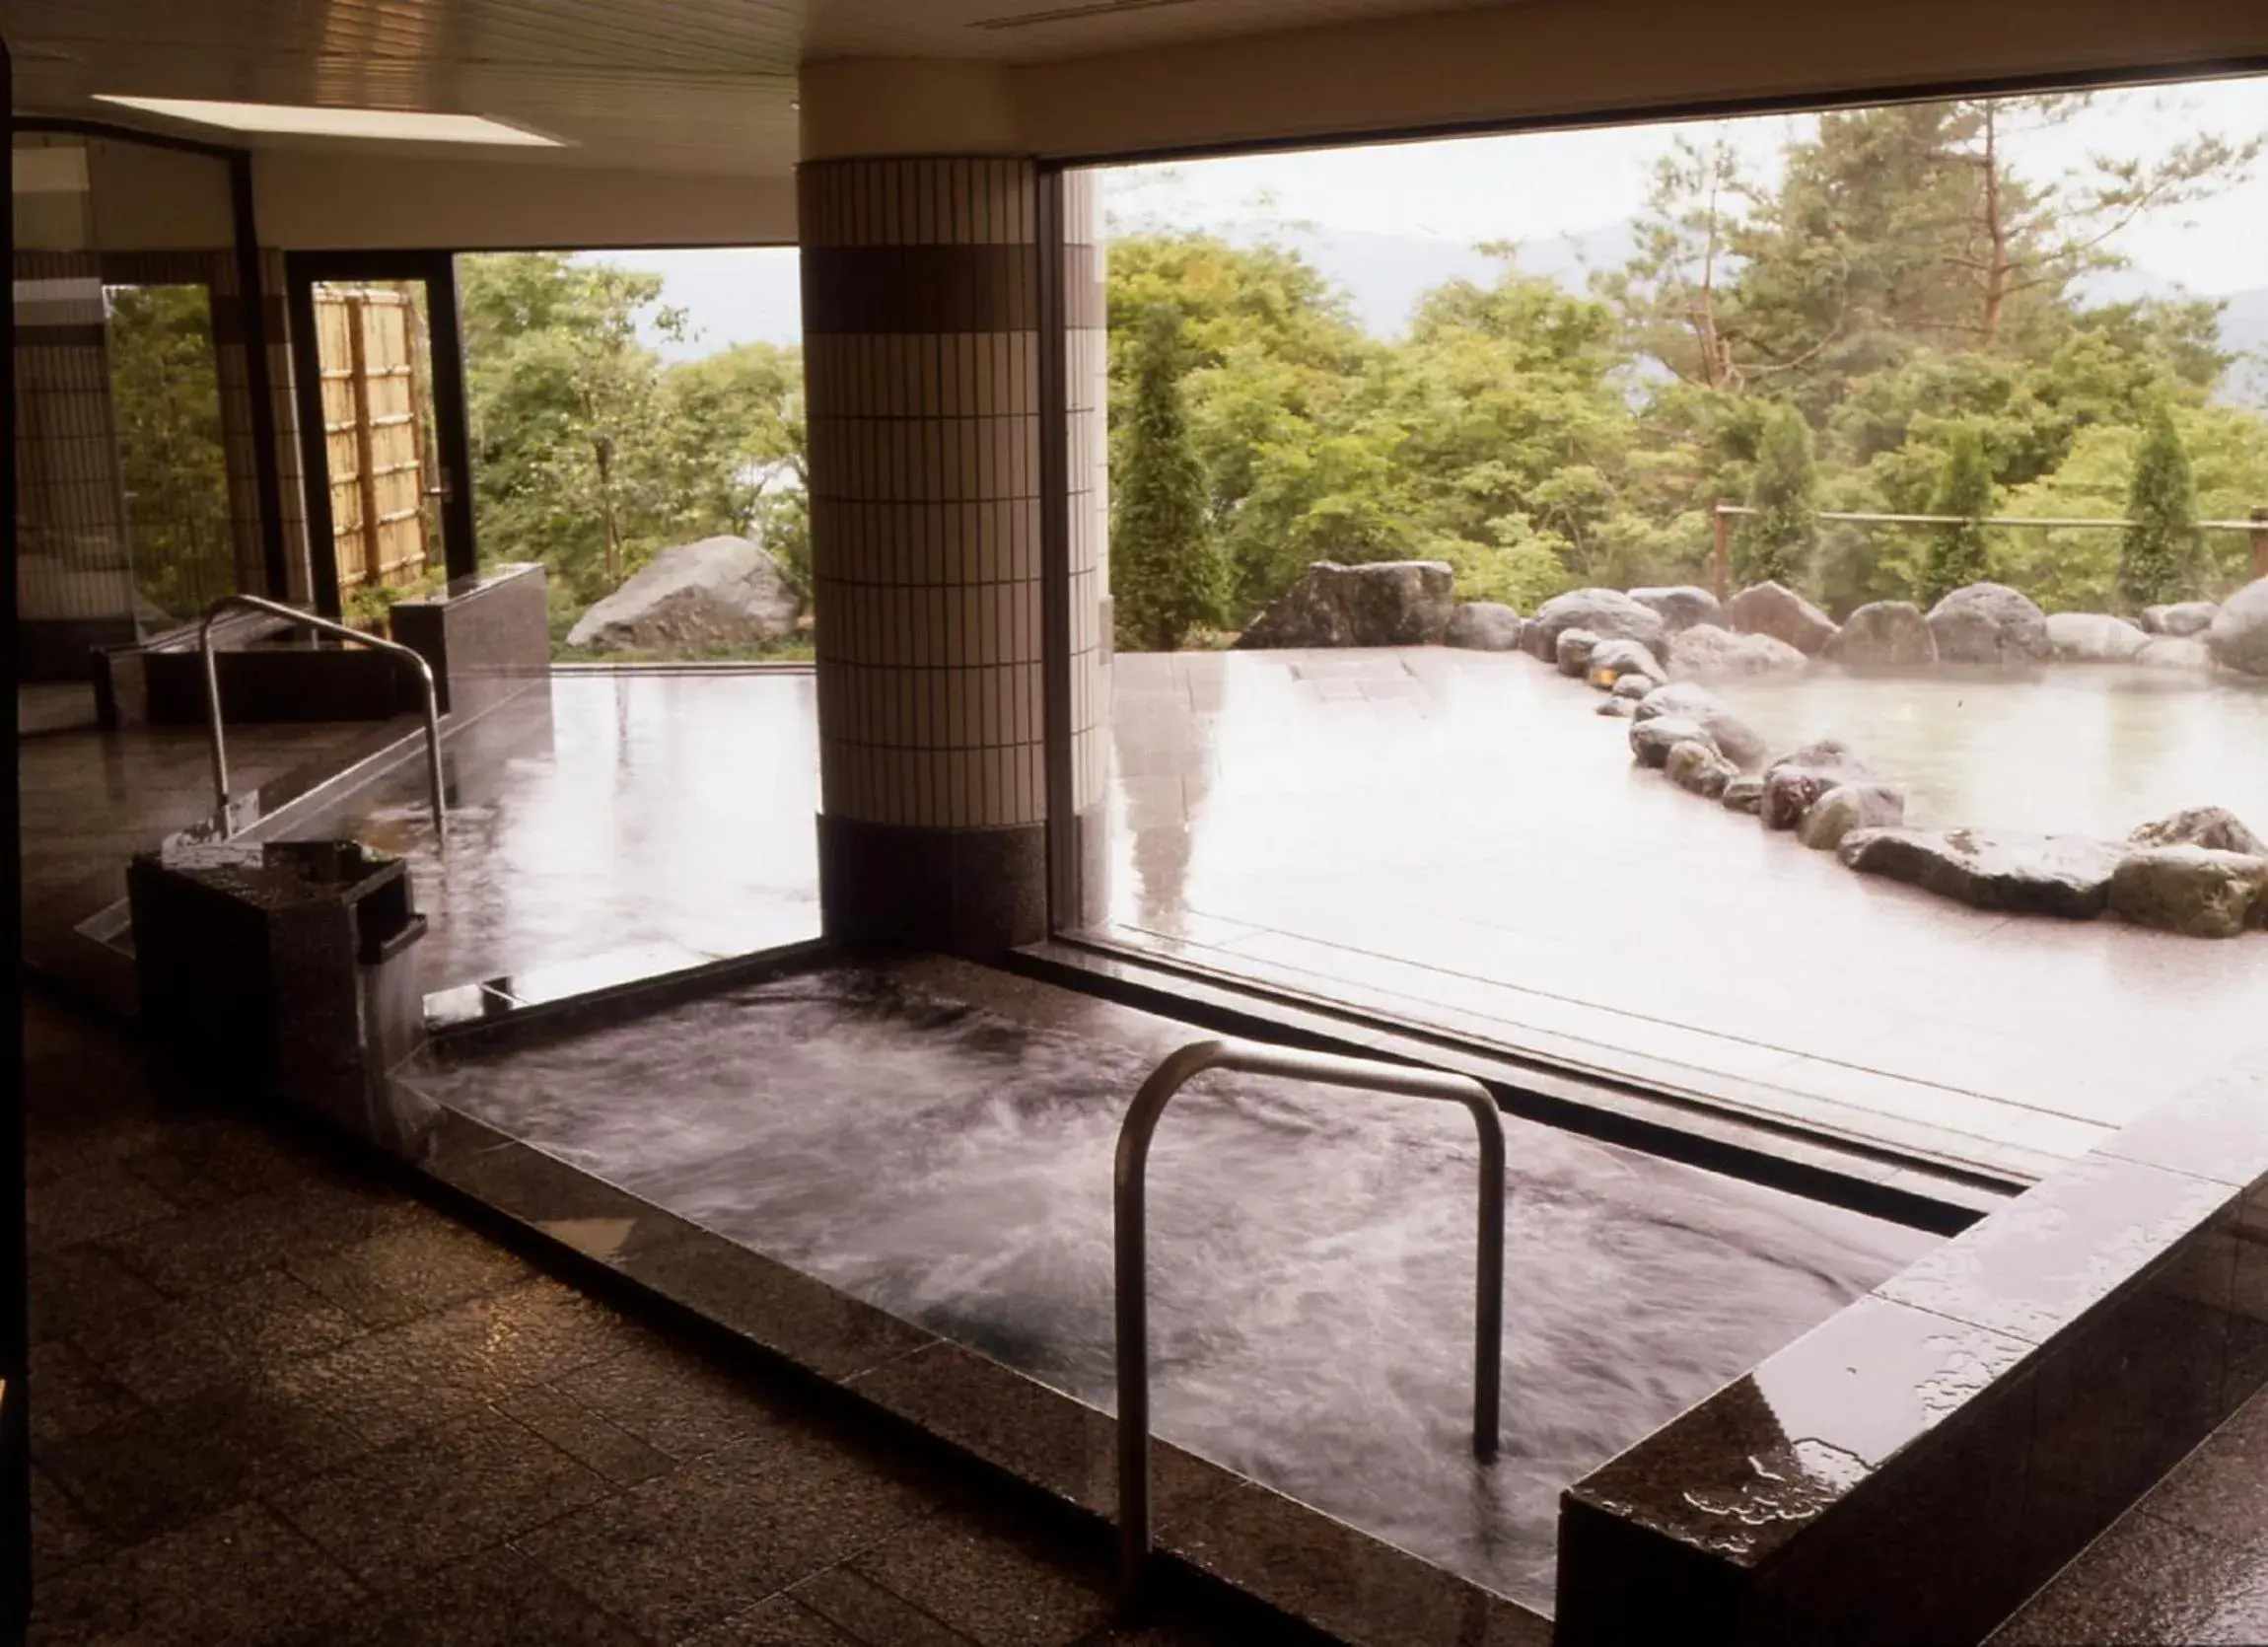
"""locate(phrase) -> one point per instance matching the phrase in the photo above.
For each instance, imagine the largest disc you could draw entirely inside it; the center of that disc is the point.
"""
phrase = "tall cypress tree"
(1166, 575)
(2162, 553)
(1785, 494)
(1956, 552)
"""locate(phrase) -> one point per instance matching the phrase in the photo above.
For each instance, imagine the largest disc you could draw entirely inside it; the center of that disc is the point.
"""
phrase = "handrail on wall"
(276, 608)
(1130, 1240)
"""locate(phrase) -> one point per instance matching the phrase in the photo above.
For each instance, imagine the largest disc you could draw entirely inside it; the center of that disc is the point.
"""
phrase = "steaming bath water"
(1312, 1250)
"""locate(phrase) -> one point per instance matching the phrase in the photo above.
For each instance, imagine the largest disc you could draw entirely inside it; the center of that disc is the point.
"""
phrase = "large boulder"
(1483, 626)
(2213, 826)
(1614, 662)
(2240, 633)
(1989, 624)
(1682, 607)
(1733, 737)
(718, 592)
(2183, 618)
(2191, 890)
(1608, 613)
(1884, 634)
(1849, 806)
(1706, 652)
(2092, 637)
(2176, 652)
(1652, 741)
(1572, 651)
(1634, 687)
(2027, 875)
(1771, 609)
(1743, 795)
(1697, 768)
(1794, 782)
(1388, 602)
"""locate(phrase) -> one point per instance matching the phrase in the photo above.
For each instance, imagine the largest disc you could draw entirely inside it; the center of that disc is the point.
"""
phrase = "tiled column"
(922, 319)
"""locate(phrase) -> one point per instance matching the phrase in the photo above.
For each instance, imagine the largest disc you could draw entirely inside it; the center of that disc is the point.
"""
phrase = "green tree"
(1165, 572)
(1777, 541)
(165, 391)
(733, 442)
(1956, 551)
(2160, 553)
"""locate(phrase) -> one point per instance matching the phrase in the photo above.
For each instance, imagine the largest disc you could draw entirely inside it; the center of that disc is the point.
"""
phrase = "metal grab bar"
(1130, 1240)
(256, 603)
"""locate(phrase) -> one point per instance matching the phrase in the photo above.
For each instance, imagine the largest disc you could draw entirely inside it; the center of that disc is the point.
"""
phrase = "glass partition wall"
(143, 448)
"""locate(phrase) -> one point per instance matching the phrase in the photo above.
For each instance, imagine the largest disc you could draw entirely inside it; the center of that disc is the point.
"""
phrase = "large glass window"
(1921, 443)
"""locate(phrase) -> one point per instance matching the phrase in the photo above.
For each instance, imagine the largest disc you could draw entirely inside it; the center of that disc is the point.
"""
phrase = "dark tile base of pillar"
(973, 893)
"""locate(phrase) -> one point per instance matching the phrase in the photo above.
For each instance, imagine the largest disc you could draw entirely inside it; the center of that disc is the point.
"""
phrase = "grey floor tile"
(99, 1200)
(432, 1260)
(72, 1394)
(239, 1578)
(679, 1401)
(497, 1598)
(2222, 1489)
(219, 1337)
(779, 1622)
(588, 1438)
(161, 1467)
(61, 1535)
(446, 1493)
(996, 1584)
(76, 1287)
(869, 1613)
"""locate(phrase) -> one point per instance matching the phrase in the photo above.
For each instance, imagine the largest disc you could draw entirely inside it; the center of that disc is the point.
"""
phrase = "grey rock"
(2184, 618)
(1705, 651)
(1886, 634)
(1697, 768)
(1652, 741)
(2211, 827)
(1794, 783)
(1771, 609)
(1614, 662)
(718, 592)
(1634, 687)
(1743, 795)
(1681, 606)
(2092, 637)
(2067, 876)
(2238, 637)
(2191, 890)
(1989, 624)
(1483, 626)
(1608, 613)
(2176, 652)
(1572, 651)
(1616, 706)
(1735, 740)
(1848, 806)
(1387, 602)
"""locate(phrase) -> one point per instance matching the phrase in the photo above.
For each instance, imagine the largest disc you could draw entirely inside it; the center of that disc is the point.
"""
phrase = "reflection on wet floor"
(936, 1139)
(663, 818)
(1455, 838)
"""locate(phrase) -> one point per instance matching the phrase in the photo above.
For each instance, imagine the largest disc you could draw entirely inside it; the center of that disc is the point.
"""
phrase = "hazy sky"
(1550, 184)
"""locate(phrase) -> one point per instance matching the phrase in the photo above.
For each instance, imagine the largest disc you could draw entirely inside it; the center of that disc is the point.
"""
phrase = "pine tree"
(1166, 575)
(1780, 536)
(1956, 552)
(2162, 553)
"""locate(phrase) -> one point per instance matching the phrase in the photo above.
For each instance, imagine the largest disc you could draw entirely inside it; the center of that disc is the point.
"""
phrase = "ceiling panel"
(686, 85)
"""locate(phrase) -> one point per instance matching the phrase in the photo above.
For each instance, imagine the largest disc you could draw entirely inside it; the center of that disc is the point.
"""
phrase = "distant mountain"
(1384, 276)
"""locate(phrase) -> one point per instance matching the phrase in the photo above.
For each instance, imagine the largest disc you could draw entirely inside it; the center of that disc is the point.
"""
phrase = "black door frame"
(452, 429)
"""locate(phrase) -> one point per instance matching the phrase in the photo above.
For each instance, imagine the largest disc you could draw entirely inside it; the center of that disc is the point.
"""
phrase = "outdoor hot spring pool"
(936, 1140)
(2087, 750)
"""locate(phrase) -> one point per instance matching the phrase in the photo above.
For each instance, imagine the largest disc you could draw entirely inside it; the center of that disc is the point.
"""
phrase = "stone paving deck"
(1455, 838)
(279, 1402)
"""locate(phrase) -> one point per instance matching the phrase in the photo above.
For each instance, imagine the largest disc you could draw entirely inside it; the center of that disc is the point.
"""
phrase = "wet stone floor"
(1457, 838)
(279, 1402)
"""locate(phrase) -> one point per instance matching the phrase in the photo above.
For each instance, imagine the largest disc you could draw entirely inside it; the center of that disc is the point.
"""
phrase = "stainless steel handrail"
(1131, 1238)
(256, 603)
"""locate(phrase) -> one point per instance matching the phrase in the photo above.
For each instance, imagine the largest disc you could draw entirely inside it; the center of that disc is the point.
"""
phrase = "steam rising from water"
(1312, 1250)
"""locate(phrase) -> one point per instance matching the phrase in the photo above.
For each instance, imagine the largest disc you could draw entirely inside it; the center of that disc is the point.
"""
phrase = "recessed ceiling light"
(310, 120)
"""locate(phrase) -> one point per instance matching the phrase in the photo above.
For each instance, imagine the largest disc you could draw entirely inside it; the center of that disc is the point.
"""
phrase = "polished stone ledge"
(1914, 1467)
